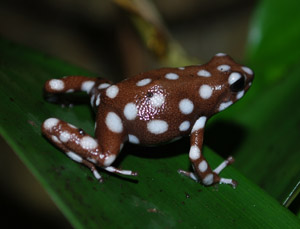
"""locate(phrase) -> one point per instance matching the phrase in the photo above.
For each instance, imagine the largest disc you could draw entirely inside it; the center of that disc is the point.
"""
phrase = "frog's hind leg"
(70, 84)
(80, 147)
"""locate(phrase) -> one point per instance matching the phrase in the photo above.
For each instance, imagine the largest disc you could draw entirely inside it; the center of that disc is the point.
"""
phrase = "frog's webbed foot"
(213, 177)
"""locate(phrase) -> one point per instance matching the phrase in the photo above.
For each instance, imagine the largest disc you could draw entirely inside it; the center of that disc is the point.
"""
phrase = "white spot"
(171, 76)
(98, 100)
(181, 68)
(250, 83)
(114, 122)
(199, 124)
(88, 143)
(184, 126)
(202, 166)
(203, 73)
(143, 82)
(224, 68)
(130, 111)
(247, 70)
(96, 174)
(240, 94)
(92, 99)
(103, 85)
(186, 106)
(74, 156)
(208, 180)
(112, 91)
(221, 54)
(133, 139)
(55, 139)
(72, 126)
(233, 77)
(87, 86)
(157, 100)
(194, 153)
(224, 105)
(109, 160)
(92, 160)
(157, 126)
(64, 136)
(205, 91)
(70, 91)
(57, 85)
(50, 123)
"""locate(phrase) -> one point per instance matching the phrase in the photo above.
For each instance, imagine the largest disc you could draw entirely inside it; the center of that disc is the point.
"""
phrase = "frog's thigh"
(110, 132)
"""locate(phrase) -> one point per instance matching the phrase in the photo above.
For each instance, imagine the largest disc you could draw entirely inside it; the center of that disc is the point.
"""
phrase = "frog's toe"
(231, 182)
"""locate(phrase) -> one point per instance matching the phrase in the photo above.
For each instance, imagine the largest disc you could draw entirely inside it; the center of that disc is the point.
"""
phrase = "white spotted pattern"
(186, 106)
(194, 153)
(247, 70)
(157, 126)
(181, 68)
(208, 180)
(133, 139)
(57, 85)
(103, 85)
(114, 122)
(171, 76)
(224, 105)
(157, 100)
(224, 68)
(184, 126)
(98, 100)
(88, 143)
(203, 73)
(130, 111)
(109, 160)
(112, 91)
(240, 94)
(64, 136)
(221, 54)
(74, 156)
(202, 166)
(205, 91)
(50, 123)
(143, 82)
(199, 124)
(233, 77)
(87, 86)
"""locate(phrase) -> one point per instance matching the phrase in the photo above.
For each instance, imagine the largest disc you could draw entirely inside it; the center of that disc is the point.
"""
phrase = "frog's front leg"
(81, 147)
(203, 171)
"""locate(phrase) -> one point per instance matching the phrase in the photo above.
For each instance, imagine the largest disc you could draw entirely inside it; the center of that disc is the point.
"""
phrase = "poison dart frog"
(150, 108)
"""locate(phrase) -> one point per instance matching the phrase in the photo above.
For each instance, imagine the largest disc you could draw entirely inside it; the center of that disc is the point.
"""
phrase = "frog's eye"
(236, 81)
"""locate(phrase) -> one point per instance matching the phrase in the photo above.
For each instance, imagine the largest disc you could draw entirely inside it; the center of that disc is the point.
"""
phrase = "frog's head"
(231, 80)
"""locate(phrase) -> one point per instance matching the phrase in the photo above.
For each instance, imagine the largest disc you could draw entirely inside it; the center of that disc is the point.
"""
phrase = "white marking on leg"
(92, 160)
(240, 94)
(204, 73)
(221, 167)
(184, 126)
(112, 91)
(74, 156)
(157, 126)
(194, 153)
(98, 100)
(143, 82)
(186, 106)
(87, 86)
(193, 176)
(103, 86)
(205, 91)
(64, 136)
(55, 139)
(92, 100)
(130, 111)
(50, 123)
(199, 124)
(88, 143)
(114, 122)
(202, 166)
(109, 160)
(133, 139)
(56, 85)
(171, 76)
(208, 180)
(96, 174)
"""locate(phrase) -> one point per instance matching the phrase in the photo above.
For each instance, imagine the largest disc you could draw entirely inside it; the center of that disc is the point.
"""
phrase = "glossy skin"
(150, 108)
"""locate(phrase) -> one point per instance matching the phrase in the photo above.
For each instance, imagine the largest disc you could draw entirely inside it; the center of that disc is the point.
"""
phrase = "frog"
(151, 108)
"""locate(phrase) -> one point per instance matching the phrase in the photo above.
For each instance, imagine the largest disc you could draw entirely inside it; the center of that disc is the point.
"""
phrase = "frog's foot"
(212, 177)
